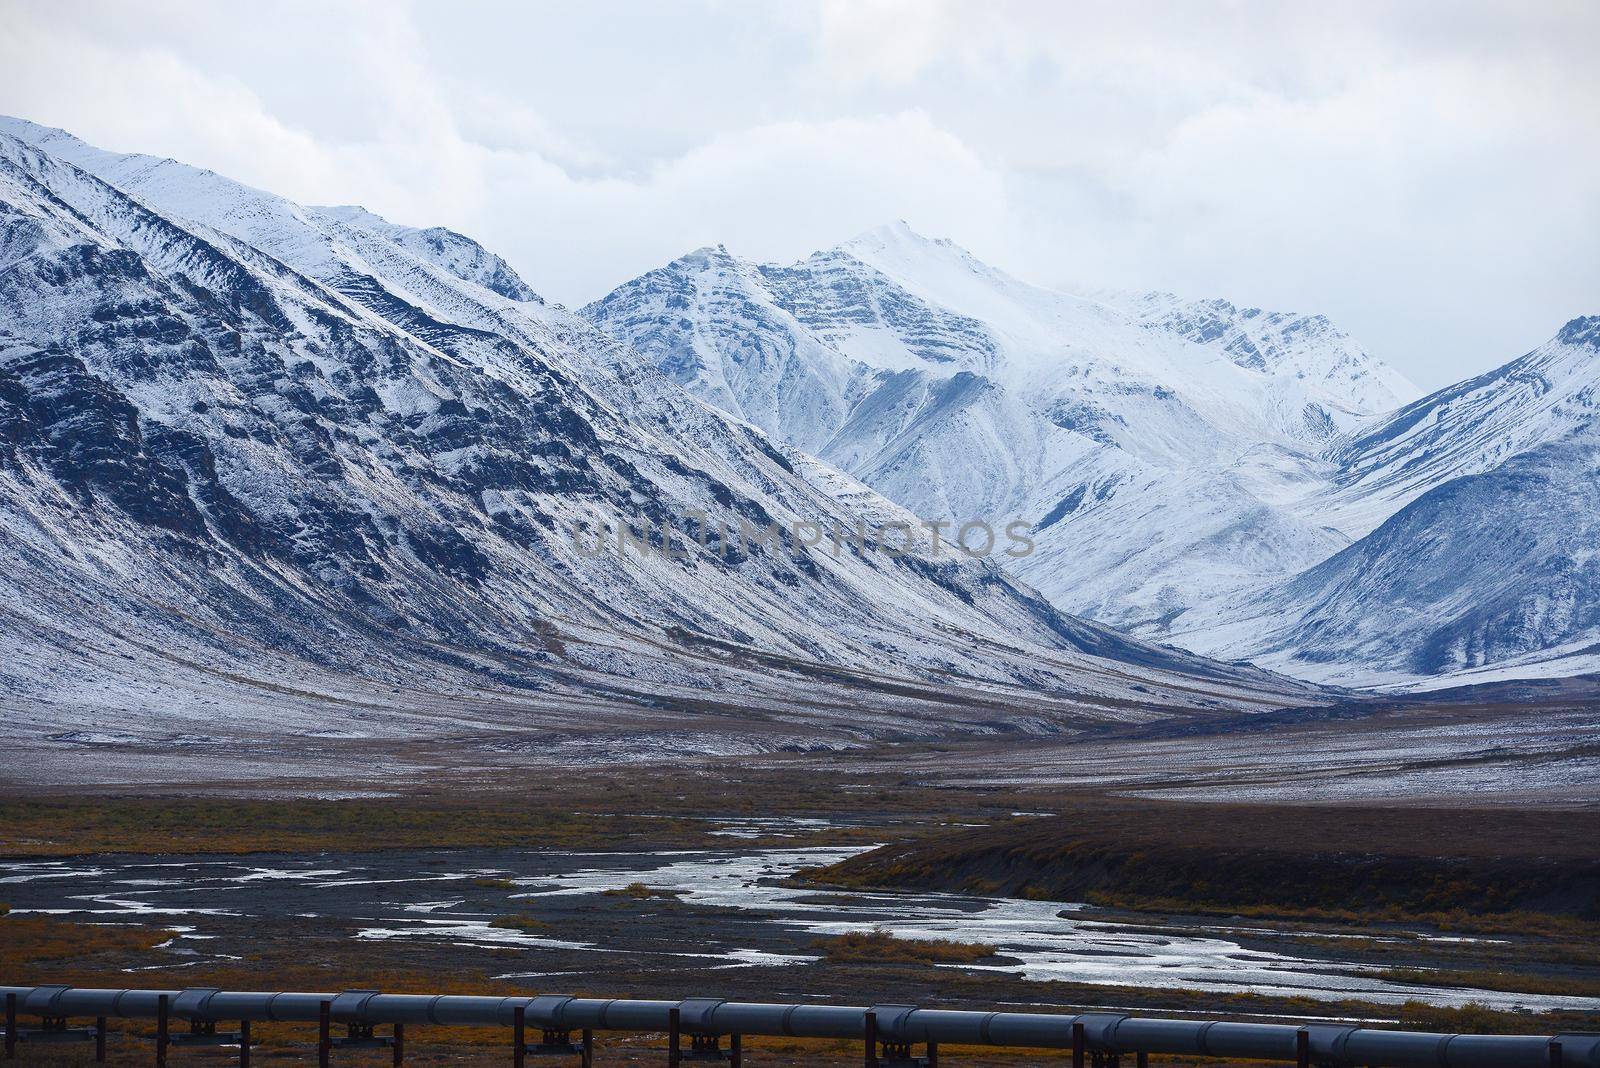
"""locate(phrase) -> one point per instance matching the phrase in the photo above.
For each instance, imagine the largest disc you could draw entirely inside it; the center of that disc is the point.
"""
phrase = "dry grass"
(641, 892)
(880, 946)
(1516, 983)
(1513, 922)
(1471, 1019)
(66, 827)
(26, 942)
(586, 806)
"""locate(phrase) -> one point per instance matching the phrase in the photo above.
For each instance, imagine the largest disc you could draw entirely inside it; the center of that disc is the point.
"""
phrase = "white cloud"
(1425, 174)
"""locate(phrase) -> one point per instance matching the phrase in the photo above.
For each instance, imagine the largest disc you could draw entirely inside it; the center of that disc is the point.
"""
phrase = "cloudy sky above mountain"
(1426, 173)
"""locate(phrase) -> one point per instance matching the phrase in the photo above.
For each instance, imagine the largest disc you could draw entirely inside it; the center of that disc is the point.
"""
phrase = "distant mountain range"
(309, 469)
(1239, 482)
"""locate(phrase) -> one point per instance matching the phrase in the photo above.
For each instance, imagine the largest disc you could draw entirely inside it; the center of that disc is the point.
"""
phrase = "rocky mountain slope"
(1157, 447)
(1243, 483)
(264, 460)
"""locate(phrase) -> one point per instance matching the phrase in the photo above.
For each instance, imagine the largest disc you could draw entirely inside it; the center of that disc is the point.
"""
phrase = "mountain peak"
(708, 256)
(1584, 331)
(896, 228)
(935, 268)
(897, 235)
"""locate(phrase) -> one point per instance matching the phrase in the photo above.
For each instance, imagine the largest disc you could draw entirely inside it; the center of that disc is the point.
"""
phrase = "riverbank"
(1486, 870)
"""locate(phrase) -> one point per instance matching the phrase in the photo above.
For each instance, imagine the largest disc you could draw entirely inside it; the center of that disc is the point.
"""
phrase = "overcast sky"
(1426, 174)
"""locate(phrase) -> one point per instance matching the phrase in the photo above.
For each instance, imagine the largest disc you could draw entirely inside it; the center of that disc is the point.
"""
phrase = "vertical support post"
(1143, 1059)
(324, 1039)
(1080, 1045)
(399, 1045)
(244, 1044)
(163, 1034)
(674, 1035)
(1302, 1048)
(735, 1052)
(519, 1038)
(1555, 1054)
(871, 1027)
(933, 1053)
(100, 1040)
(588, 1047)
(11, 1026)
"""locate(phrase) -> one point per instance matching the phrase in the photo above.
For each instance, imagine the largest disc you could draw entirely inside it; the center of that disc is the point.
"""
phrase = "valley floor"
(414, 868)
(1528, 743)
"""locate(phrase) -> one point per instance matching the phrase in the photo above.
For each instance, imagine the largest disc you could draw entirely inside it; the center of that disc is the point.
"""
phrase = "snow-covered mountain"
(1479, 510)
(1159, 447)
(1470, 427)
(1243, 483)
(256, 455)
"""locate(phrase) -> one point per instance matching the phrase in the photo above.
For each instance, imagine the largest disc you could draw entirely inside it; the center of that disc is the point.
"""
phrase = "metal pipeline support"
(1107, 1033)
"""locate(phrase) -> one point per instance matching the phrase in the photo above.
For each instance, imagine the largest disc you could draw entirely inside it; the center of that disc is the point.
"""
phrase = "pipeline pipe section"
(1099, 1034)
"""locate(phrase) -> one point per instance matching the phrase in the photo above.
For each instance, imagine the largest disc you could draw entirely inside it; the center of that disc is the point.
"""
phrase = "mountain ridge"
(885, 356)
(1184, 463)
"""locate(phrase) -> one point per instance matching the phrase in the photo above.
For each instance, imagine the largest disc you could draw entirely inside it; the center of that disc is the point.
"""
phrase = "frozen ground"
(1523, 743)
